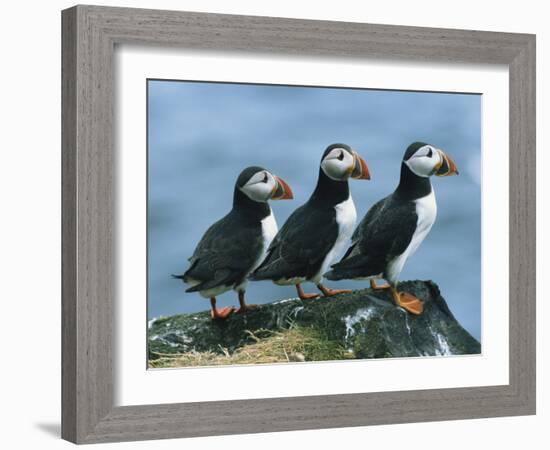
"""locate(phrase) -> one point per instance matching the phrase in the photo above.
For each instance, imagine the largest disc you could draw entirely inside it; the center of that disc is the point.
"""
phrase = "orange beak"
(282, 190)
(360, 170)
(446, 167)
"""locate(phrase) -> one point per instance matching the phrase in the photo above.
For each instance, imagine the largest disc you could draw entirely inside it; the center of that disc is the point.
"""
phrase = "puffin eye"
(430, 153)
(265, 178)
(341, 156)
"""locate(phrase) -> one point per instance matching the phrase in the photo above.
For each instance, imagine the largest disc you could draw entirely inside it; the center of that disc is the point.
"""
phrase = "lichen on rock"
(360, 324)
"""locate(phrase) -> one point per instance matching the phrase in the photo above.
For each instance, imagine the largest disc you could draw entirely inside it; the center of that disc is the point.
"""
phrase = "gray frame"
(90, 34)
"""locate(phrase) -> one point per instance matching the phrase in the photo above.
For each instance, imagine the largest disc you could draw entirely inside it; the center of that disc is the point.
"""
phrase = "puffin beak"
(446, 166)
(360, 169)
(282, 190)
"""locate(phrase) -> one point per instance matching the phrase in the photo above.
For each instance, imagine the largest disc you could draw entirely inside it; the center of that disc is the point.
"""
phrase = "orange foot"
(328, 292)
(245, 308)
(377, 287)
(303, 295)
(408, 302)
(221, 313)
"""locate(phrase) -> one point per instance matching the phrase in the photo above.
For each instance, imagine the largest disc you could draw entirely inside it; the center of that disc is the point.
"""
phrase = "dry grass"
(267, 347)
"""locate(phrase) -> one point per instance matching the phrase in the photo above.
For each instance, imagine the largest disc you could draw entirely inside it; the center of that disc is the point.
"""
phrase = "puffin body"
(390, 233)
(393, 229)
(345, 217)
(318, 231)
(235, 245)
(322, 232)
(425, 212)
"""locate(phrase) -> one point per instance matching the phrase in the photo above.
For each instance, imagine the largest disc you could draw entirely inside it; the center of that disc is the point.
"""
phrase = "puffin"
(317, 232)
(395, 226)
(233, 246)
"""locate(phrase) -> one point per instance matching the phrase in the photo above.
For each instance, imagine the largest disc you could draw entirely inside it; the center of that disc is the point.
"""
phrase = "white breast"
(269, 230)
(426, 210)
(346, 216)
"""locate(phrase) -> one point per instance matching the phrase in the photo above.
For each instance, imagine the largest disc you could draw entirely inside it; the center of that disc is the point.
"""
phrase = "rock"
(297, 357)
(365, 322)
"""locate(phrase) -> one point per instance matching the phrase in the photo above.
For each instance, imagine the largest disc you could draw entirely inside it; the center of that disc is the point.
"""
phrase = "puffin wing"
(357, 234)
(225, 254)
(384, 233)
(299, 249)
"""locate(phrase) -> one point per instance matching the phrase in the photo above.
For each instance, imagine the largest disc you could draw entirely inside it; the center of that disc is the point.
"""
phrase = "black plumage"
(384, 233)
(232, 245)
(226, 252)
(395, 226)
(388, 227)
(301, 247)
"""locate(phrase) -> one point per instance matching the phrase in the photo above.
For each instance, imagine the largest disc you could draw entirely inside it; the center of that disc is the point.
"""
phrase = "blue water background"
(201, 135)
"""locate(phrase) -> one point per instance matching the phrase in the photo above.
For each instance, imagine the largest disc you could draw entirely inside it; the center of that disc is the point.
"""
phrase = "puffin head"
(425, 160)
(260, 185)
(340, 162)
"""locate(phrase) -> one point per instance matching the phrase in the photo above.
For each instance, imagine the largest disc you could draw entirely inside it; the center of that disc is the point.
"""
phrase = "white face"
(424, 161)
(260, 186)
(338, 164)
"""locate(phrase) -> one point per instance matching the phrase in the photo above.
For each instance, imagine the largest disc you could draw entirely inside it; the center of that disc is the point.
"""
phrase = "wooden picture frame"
(90, 34)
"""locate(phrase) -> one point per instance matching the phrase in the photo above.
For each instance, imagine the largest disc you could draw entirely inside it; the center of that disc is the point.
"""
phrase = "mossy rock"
(363, 323)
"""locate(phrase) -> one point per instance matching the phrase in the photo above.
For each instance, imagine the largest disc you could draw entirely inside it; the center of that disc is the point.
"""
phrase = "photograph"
(262, 225)
(311, 223)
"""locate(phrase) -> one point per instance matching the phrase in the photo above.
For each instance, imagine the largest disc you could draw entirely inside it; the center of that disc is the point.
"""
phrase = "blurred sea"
(201, 135)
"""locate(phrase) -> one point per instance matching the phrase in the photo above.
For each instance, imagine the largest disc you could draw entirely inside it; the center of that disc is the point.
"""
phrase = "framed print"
(298, 330)
(255, 209)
